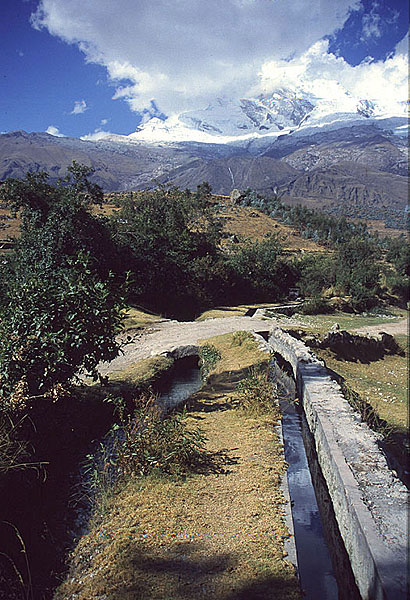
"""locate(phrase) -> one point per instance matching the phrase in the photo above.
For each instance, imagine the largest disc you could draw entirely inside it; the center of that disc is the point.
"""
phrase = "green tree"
(61, 307)
(317, 273)
(169, 240)
(259, 272)
(358, 271)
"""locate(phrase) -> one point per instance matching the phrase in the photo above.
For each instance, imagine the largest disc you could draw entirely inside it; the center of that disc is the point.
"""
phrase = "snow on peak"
(227, 120)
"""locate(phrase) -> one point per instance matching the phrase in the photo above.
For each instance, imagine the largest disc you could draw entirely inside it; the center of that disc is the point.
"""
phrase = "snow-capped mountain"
(261, 120)
(348, 156)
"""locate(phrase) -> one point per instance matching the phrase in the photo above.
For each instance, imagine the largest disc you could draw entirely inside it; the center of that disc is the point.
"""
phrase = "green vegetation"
(254, 392)
(76, 277)
(171, 243)
(243, 337)
(60, 304)
(222, 524)
(144, 442)
(208, 357)
(359, 259)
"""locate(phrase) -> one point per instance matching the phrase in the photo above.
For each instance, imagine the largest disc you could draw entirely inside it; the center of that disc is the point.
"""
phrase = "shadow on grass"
(184, 570)
(213, 397)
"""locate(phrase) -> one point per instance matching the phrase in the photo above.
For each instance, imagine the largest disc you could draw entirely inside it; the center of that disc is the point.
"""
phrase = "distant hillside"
(353, 190)
(117, 167)
(353, 168)
(262, 173)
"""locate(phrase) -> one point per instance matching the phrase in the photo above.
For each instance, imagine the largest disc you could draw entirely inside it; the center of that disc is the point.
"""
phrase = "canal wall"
(369, 501)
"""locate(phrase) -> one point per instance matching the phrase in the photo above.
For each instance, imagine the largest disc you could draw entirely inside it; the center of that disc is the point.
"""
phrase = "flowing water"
(323, 565)
(184, 381)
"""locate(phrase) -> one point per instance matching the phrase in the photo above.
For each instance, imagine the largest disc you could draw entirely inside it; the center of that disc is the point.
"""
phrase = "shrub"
(208, 357)
(315, 306)
(60, 309)
(240, 338)
(150, 442)
(144, 442)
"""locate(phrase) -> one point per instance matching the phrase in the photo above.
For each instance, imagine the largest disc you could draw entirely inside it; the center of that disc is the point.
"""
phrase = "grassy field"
(218, 533)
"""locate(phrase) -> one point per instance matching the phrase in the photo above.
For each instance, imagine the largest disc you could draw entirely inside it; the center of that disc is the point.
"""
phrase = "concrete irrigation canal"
(368, 502)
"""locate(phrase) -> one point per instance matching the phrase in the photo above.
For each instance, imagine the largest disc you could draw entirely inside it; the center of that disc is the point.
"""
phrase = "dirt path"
(164, 336)
(397, 328)
(218, 534)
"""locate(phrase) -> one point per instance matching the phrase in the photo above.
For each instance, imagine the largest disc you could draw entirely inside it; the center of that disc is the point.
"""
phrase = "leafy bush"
(317, 274)
(60, 309)
(259, 272)
(208, 357)
(315, 306)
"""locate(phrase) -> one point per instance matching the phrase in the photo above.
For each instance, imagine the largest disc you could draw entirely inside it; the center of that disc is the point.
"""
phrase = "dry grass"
(319, 324)
(222, 311)
(218, 534)
(135, 318)
(381, 383)
(142, 372)
(247, 222)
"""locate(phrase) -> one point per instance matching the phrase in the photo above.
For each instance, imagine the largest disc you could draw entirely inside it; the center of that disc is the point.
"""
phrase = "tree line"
(71, 273)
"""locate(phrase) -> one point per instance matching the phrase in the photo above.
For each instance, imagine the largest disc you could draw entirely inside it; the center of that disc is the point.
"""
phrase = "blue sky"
(79, 67)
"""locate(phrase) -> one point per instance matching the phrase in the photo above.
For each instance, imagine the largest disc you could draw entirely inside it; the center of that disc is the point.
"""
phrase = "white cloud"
(52, 130)
(185, 52)
(403, 46)
(325, 75)
(97, 135)
(80, 106)
(372, 24)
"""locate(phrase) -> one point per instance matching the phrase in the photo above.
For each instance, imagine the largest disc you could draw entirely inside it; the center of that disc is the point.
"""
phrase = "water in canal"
(184, 381)
(323, 565)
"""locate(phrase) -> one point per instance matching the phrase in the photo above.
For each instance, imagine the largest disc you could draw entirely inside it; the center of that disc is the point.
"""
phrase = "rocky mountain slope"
(349, 158)
(117, 166)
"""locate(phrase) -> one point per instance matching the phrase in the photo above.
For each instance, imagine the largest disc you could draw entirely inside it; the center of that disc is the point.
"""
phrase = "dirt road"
(397, 328)
(164, 336)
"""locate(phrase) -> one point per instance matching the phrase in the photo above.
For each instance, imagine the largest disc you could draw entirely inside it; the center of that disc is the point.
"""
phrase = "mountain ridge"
(348, 162)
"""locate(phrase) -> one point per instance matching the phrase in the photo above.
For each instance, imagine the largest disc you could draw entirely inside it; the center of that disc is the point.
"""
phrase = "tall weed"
(144, 441)
(149, 441)
(256, 394)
